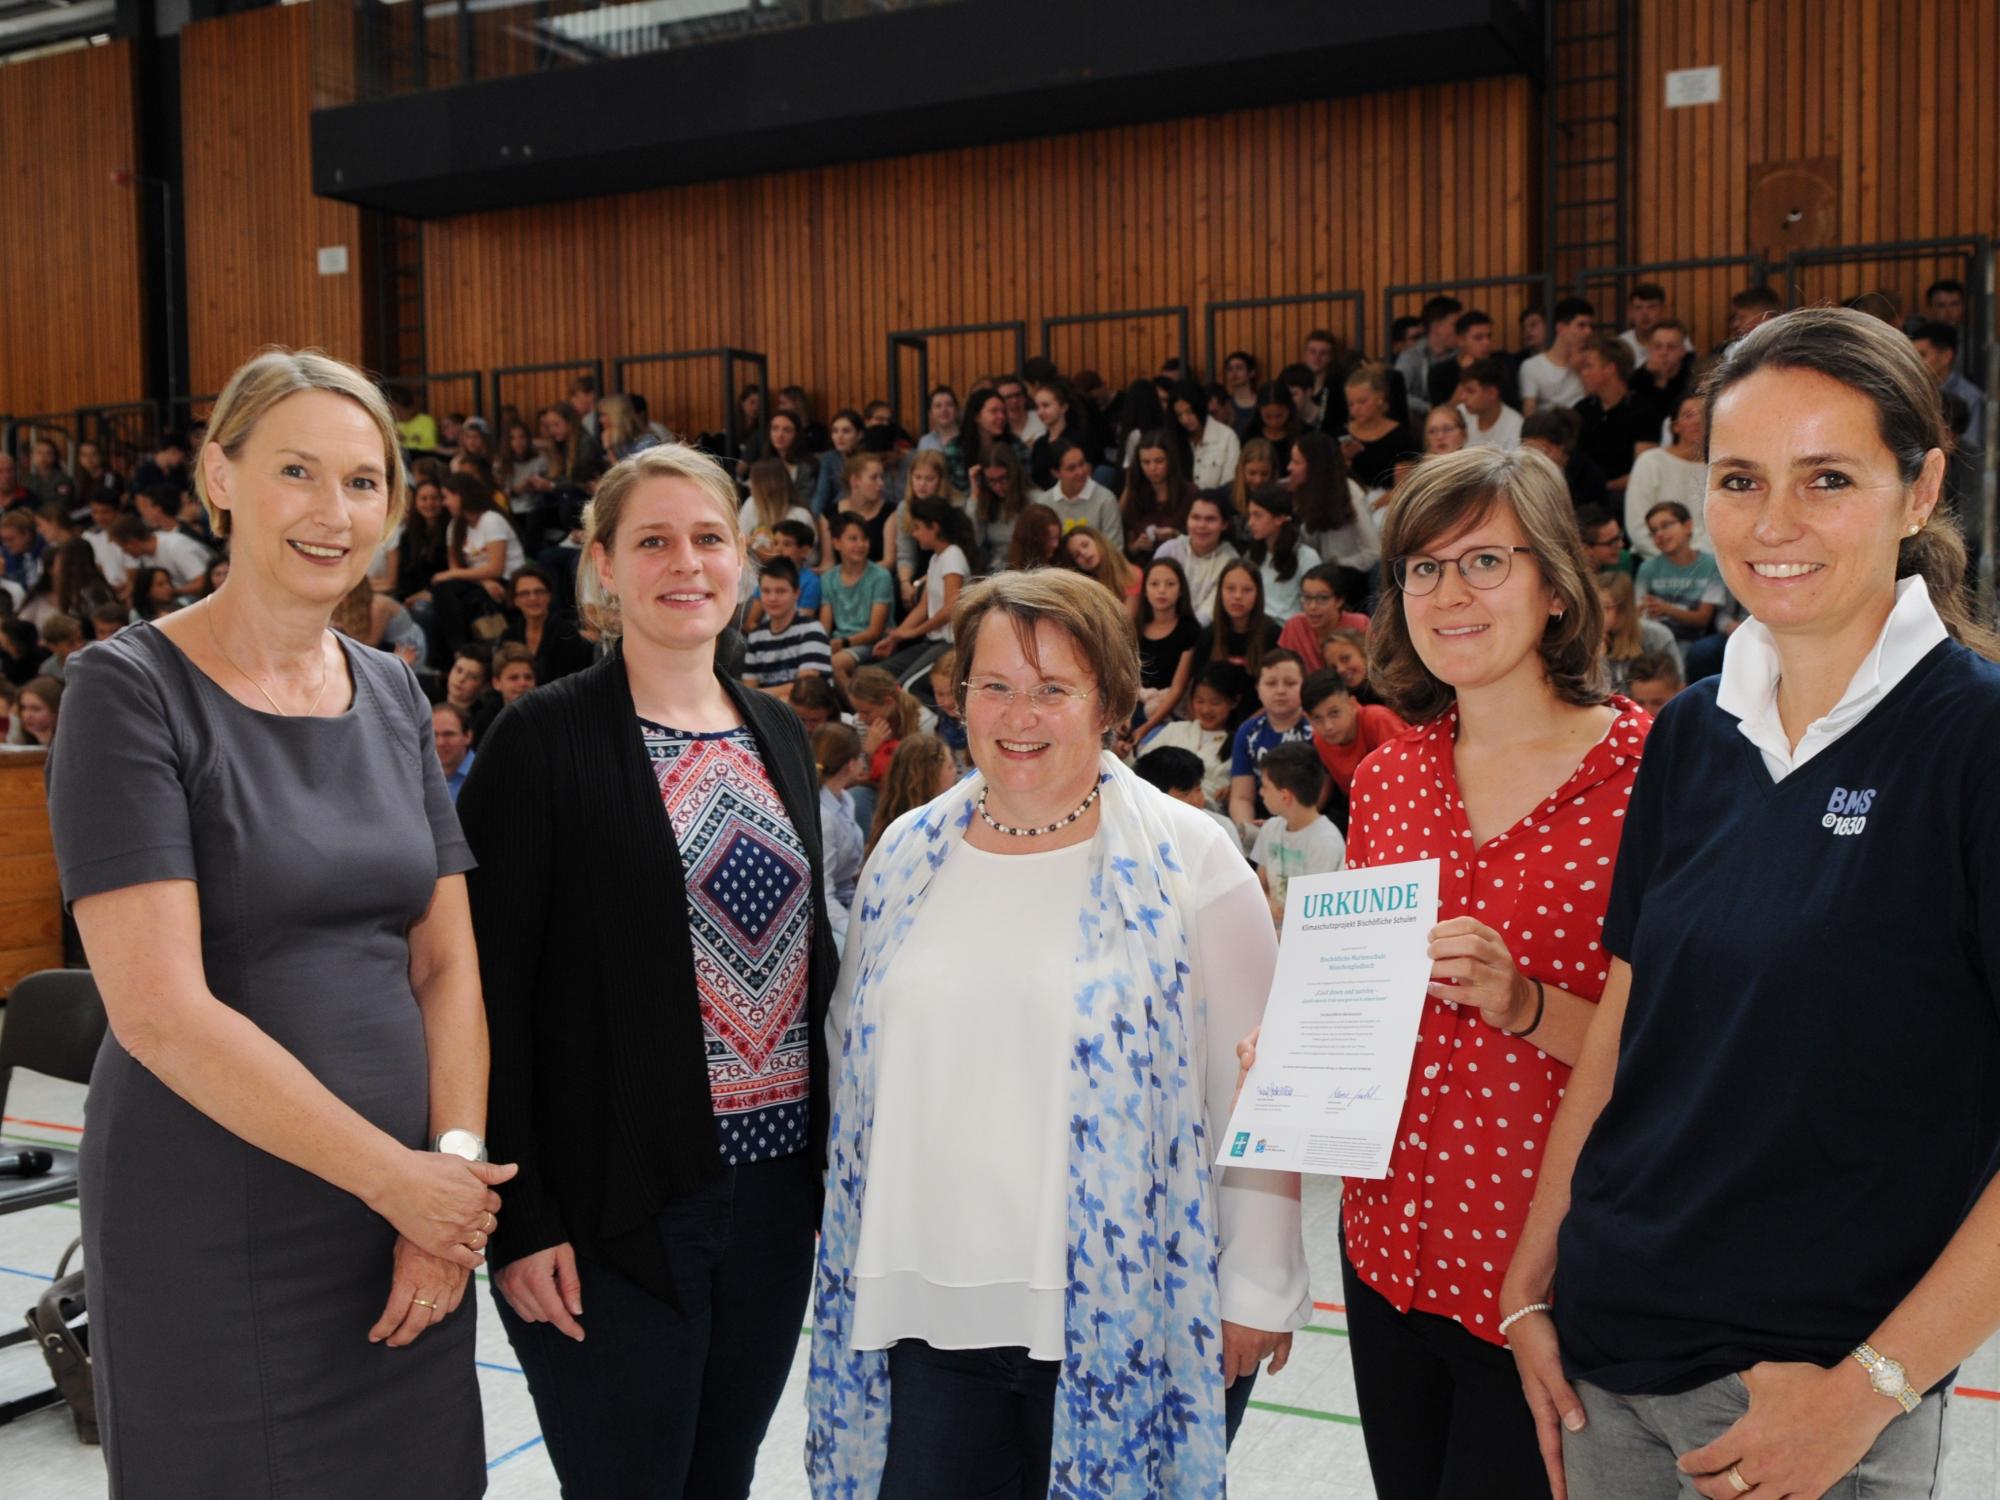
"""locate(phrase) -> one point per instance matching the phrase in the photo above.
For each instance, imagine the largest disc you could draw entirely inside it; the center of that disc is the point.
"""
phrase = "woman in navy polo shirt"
(1778, 1240)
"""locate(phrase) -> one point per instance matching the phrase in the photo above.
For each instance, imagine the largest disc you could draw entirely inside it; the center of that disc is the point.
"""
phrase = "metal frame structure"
(592, 367)
(919, 339)
(1546, 280)
(730, 356)
(1178, 312)
(1358, 299)
(1760, 270)
(39, 422)
(1976, 248)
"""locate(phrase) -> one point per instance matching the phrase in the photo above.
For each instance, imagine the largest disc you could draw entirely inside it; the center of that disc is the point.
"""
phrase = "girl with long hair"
(1277, 423)
(926, 477)
(921, 769)
(1157, 494)
(1038, 537)
(1086, 550)
(1168, 636)
(1332, 513)
(886, 716)
(1277, 551)
(942, 530)
(1000, 493)
(1241, 632)
(1628, 635)
(1224, 696)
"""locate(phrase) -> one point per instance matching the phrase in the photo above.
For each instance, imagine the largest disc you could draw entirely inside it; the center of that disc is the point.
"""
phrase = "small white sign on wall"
(333, 260)
(1687, 86)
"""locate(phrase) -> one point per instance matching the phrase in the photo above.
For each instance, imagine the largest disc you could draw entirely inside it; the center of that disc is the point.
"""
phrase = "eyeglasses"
(1047, 697)
(1482, 568)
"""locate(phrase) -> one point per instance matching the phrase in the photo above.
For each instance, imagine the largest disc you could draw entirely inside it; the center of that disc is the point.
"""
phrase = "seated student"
(465, 682)
(1750, 307)
(107, 620)
(1217, 706)
(1324, 604)
(1682, 588)
(451, 737)
(795, 540)
(867, 496)
(1180, 774)
(1604, 542)
(1618, 423)
(950, 725)
(857, 596)
(921, 771)
(1344, 729)
(1653, 679)
(21, 648)
(1444, 432)
(1553, 433)
(1077, 498)
(1476, 343)
(1678, 471)
(788, 645)
(1168, 638)
(885, 715)
(1281, 721)
(1489, 421)
(1086, 550)
(945, 532)
(1036, 542)
(183, 558)
(1277, 551)
(815, 702)
(63, 636)
(1938, 344)
(513, 677)
(838, 759)
(1665, 369)
(1346, 651)
(1297, 839)
(1550, 378)
(1204, 551)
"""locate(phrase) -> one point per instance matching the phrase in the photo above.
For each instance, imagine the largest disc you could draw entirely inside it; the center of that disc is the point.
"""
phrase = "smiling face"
(1073, 473)
(516, 678)
(992, 418)
(1204, 525)
(307, 497)
(1669, 532)
(1472, 638)
(852, 545)
(1211, 709)
(1347, 659)
(531, 598)
(1032, 755)
(1806, 505)
(674, 565)
(428, 500)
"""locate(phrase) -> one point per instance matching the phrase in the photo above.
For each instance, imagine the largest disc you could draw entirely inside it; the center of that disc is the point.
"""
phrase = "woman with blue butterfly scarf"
(1031, 1279)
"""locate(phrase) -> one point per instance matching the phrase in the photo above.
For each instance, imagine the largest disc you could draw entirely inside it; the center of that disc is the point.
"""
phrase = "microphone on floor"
(25, 1163)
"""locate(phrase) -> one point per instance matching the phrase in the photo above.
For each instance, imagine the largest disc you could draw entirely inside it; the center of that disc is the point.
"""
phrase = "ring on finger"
(478, 1239)
(1737, 1482)
(421, 1302)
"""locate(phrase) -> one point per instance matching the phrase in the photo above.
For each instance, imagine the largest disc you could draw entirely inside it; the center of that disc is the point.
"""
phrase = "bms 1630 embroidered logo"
(1847, 812)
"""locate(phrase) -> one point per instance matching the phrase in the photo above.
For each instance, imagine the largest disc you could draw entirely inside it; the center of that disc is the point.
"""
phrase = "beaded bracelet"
(1514, 1317)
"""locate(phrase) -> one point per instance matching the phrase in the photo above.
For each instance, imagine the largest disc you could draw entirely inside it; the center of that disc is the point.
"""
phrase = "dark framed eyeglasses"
(1480, 567)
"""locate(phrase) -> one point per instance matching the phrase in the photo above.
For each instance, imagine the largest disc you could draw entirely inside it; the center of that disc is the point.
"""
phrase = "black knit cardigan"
(600, 1074)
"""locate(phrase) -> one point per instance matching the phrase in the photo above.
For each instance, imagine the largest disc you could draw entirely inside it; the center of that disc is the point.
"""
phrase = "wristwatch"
(460, 1143)
(1887, 1377)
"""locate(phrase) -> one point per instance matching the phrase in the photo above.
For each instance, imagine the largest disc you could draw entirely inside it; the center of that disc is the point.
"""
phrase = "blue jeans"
(978, 1424)
(1629, 1445)
(659, 1402)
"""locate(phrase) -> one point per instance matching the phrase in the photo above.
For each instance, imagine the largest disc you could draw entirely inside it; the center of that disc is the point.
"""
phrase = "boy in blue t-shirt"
(1681, 587)
(859, 595)
(1283, 722)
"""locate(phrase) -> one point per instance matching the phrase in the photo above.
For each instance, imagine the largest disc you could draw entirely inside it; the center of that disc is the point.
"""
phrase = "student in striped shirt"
(788, 645)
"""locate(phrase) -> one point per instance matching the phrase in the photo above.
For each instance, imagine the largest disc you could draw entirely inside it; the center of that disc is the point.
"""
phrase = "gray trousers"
(1629, 1445)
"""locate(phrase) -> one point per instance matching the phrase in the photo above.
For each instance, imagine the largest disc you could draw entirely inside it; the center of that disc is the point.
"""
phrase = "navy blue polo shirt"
(1807, 1101)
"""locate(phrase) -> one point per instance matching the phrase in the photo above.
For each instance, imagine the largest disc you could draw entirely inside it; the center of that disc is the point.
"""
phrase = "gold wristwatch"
(1887, 1377)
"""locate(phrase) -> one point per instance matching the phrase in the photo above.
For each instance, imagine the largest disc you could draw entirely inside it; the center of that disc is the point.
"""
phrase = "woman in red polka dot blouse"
(1515, 778)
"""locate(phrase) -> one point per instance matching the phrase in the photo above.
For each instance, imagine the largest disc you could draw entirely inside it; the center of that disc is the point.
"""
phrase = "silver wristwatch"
(460, 1143)
(1887, 1377)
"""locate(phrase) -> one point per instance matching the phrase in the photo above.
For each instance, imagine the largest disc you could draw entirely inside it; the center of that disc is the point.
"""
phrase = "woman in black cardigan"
(653, 943)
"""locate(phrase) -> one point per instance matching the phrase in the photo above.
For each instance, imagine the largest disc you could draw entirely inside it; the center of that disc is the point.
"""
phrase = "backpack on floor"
(57, 1320)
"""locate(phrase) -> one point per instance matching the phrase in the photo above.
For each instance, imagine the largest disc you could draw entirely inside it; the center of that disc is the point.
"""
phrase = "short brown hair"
(1449, 491)
(507, 653)
(1614, 352)
(1095, 620)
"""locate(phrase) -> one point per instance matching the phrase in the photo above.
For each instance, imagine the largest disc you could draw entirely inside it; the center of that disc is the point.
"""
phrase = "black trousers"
(1442, 1414)
(666, 1403)
(978, 1424)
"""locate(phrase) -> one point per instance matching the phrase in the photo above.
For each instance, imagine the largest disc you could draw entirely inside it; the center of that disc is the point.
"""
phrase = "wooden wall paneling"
(253, 224)
(72, 324)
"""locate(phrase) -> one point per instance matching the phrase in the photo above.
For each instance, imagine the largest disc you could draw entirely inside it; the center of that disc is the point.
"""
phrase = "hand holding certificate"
(1333, 1061)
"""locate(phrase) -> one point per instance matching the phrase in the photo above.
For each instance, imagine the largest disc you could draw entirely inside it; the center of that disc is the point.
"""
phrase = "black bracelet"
(1541, 1004)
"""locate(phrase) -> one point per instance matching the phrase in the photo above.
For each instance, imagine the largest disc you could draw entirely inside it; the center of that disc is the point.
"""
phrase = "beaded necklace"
(1031, 833)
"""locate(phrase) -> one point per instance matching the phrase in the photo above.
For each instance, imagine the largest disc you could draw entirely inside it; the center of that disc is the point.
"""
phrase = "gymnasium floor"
(1300, 1439)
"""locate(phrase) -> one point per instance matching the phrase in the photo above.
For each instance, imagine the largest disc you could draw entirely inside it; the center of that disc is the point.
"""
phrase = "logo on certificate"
(1241, 1144)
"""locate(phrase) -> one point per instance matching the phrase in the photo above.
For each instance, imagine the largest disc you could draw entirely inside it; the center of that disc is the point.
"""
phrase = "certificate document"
(1340, 1027)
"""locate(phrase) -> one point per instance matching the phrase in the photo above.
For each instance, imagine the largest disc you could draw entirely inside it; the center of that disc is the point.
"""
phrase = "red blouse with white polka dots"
(1437, 1232)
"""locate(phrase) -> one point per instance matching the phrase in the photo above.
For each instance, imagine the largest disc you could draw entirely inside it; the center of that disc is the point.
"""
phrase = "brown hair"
(1035, 526)
(1098, 624)
(834, 747)
(1614, 351)
(507, 653)
(910, 781)
(1625, 643)
(1448, 492)
(607, 508)
(1878, 363)
(876, 685)
(1113, 570)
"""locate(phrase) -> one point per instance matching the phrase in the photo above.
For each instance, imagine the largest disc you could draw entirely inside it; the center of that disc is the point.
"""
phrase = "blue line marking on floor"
(494, 1463)
(487, 1364)
(31, 1275)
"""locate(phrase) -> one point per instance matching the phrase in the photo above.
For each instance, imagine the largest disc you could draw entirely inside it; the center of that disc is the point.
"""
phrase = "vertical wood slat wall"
(253, 224)
(71, 314)
(1899, 93)
(813, 268)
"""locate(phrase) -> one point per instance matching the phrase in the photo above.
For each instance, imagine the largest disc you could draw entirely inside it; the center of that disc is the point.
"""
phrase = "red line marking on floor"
(1976, 1393)
(44, 1124)
(1329, 1307)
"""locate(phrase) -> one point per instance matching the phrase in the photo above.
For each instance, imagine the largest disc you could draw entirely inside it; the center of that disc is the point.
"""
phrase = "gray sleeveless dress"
(231, 1293)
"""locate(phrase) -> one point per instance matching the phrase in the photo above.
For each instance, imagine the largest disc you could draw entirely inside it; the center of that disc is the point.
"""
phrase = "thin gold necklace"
(324, 676)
